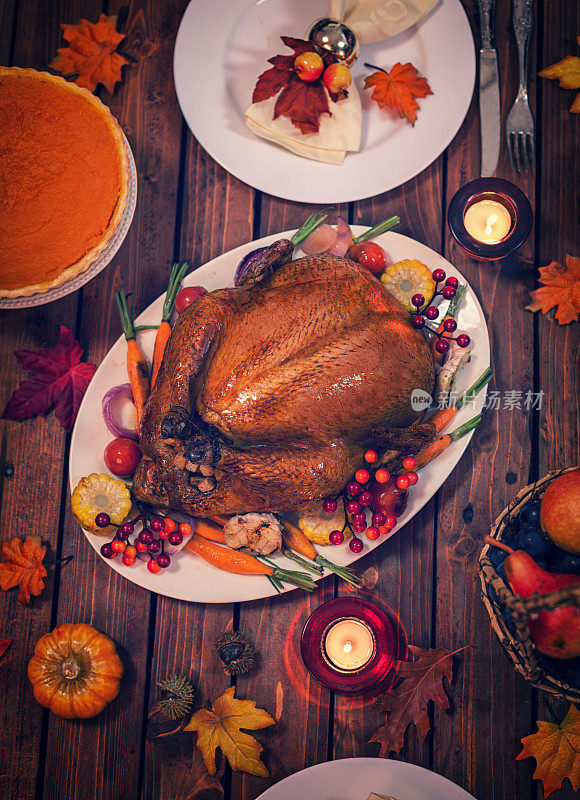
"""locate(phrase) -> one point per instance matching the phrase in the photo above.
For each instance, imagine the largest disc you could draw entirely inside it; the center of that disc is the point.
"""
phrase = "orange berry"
(130, 551)
(168, 525)
(336, 78)
(361, 475)
(153, 566)
(185, 528)
(140, 546)
(118, 546)
(409, 462)
(309, 66)
(370, 456)
(382, 475)
(128, 562)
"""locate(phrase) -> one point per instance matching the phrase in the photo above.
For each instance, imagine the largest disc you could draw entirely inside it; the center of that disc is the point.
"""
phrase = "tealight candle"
(349, 644)
(490, 218)
(487, 221)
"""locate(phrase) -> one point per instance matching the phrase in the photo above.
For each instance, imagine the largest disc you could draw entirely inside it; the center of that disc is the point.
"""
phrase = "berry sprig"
(431, 313)
(357, 498)
(145, 541)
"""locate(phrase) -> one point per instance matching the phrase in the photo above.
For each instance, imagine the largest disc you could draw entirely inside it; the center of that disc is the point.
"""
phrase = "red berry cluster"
(384, 496)
(146, 541)
(431, 313)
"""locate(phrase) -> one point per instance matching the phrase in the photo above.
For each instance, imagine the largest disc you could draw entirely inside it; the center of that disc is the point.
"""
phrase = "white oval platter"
(190, 578)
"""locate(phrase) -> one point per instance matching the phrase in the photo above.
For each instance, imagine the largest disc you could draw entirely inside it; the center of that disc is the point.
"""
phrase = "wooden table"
(188, 207)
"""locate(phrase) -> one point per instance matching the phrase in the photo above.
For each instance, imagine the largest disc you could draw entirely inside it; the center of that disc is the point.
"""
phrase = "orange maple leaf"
(561, 288)
(91, 53)
(398, 89)
(556, 749)
(22, 567)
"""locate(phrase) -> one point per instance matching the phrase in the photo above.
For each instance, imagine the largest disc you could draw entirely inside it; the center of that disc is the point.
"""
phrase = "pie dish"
(65, 179)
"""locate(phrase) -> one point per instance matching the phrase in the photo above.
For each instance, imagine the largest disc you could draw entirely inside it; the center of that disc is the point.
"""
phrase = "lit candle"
(349, 644)
(488, 221)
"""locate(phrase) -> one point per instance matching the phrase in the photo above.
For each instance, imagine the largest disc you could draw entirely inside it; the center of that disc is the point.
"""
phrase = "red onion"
(320, 240)
(112, 422)
(246, 263)
(343, 239)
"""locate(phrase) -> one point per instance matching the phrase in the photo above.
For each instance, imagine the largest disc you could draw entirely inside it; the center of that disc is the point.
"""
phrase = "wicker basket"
(497, 596)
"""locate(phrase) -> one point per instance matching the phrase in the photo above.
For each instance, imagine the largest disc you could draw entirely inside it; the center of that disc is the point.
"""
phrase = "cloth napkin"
(337, 134)
(375, 20)
(371, 21)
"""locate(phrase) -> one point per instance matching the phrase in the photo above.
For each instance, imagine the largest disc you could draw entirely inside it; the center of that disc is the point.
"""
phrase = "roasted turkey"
(269, 393)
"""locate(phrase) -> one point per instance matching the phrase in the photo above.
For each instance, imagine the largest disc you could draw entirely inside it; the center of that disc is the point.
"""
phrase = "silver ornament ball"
(336, 37)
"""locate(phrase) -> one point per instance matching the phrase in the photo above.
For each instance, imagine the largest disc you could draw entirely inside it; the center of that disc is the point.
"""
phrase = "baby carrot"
(137, 369)
(451, 313)
(209, 530)
(164, 330)
(296, 540)
(442, 442)
(244, 564)
(443, 416)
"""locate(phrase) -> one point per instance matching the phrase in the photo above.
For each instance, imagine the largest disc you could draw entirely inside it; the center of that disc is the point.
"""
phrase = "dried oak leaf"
(567, 71)
(561, 288)
(407, 703)
(91, 53)
(221, 726)
(22, 567)
(398, 89)
(58, 378)
(556, 749)
(4, 645)
(301, 101)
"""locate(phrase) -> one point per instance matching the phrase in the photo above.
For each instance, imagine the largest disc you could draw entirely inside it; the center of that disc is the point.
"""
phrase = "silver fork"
(519, 125)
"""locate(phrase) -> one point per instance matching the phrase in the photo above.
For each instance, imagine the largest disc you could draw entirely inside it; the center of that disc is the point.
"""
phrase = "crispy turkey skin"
(269, 393)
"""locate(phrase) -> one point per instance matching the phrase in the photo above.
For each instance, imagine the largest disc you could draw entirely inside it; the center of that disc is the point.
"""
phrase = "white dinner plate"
(188, 577)
(356, 778)
(223, 45)
(41, 298)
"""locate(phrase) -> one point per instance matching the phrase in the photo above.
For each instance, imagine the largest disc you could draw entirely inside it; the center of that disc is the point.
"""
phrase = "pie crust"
(64, 180)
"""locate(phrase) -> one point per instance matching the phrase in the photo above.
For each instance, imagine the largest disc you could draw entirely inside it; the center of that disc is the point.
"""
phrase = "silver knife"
(489, 107)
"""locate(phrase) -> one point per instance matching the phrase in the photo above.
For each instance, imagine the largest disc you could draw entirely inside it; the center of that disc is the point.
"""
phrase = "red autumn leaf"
(22, 567)
(4, 645)
(301, 101)
(561, 288)
(407, 703)
(91, 53)
(58, 378)
(398, 89)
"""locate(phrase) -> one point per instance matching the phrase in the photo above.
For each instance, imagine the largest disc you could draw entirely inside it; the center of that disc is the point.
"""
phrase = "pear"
(555, 633)
(560, 511)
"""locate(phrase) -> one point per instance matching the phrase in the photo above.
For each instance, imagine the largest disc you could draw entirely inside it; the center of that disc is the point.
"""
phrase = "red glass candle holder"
(502, 191)
(389, 640)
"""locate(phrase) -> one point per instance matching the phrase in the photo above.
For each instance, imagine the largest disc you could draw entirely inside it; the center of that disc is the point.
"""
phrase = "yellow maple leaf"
(567, 71)
(561, 288)
(556, 749)
(221, 726)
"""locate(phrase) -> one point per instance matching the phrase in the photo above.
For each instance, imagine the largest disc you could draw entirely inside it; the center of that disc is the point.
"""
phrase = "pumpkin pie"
(64, 178)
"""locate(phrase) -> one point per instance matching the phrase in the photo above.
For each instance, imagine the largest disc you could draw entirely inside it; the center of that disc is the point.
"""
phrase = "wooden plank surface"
(31, 500)
(189, 207)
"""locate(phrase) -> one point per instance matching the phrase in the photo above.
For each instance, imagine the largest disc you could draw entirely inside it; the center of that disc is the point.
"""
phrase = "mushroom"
(261, 533)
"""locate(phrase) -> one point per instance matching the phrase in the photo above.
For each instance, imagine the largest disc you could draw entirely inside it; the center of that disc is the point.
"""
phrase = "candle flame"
(347, 647)
(491, 220)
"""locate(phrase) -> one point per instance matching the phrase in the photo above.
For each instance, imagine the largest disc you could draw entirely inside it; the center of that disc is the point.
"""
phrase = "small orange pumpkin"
(75, 670)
